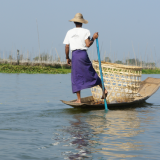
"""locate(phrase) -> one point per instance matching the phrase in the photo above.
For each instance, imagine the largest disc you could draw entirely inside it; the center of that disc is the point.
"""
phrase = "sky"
(127, 28)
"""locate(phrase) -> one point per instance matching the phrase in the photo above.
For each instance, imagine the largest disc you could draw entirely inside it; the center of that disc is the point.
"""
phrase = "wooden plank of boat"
(148, 87)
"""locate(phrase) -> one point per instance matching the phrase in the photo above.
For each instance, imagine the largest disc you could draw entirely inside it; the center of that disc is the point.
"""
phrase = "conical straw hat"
(79, 18)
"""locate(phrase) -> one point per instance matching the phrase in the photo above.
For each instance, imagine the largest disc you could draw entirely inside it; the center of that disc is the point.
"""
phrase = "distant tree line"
(46, 57)
(134, 62)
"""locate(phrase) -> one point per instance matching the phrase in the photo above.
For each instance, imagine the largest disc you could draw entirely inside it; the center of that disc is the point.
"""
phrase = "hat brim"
(79, 20)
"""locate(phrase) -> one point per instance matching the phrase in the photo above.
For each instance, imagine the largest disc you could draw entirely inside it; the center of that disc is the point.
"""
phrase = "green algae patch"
(151, 71)
(8, 68)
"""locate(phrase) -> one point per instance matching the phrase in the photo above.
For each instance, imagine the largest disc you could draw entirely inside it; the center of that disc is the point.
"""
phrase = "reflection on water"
(115, 134)
(80, 132)
(117, 129)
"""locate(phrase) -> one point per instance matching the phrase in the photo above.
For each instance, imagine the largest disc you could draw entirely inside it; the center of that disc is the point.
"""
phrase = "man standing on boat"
(78, 41)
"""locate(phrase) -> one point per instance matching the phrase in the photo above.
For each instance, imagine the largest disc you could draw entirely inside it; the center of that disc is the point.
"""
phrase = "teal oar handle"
(100, 69)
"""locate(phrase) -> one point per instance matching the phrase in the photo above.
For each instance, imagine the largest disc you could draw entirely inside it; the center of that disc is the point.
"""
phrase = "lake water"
(36, 125)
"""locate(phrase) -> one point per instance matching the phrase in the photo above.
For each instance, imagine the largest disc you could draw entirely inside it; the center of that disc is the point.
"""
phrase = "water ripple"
(34, 124)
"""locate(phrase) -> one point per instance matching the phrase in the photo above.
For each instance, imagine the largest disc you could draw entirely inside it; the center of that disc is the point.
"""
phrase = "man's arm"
(90, 42)
(67, 54)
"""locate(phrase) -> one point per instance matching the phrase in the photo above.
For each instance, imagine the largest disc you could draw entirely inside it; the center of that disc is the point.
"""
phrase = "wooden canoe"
(148, 87)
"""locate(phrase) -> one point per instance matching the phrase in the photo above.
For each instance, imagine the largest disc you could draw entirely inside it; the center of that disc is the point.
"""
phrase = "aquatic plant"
(151, 71)
(8, 68)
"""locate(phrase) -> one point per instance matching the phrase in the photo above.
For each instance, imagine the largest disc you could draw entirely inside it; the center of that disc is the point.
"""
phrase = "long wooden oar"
(100, 69)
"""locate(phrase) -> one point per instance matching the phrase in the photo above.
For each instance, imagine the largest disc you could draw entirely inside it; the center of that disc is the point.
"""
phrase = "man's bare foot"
(104, 95)
(77, 101)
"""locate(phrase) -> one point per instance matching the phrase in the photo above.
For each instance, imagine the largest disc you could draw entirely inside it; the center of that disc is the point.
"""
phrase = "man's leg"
(78, 97)
(104, 95)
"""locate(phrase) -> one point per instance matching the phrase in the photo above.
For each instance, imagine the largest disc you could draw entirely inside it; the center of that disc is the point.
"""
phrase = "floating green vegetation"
(151, 71)
(8, 68)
